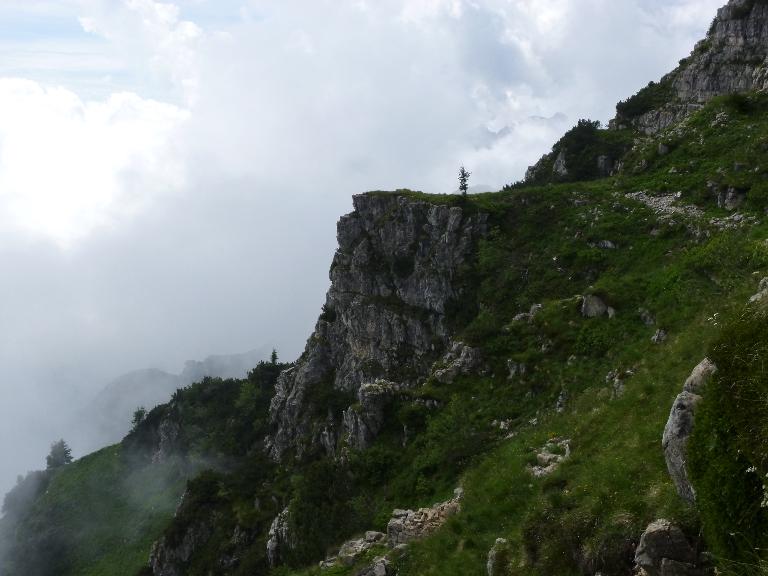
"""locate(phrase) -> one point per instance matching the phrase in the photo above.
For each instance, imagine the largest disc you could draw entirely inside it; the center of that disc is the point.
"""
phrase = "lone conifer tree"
(273, 357)
(463, 180)
(60, 455)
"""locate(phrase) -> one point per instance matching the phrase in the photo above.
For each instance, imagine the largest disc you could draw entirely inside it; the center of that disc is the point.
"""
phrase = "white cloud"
(65, 163)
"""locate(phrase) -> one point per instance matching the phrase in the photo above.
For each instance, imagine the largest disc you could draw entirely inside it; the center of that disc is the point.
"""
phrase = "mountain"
(107, 418)
(563, 377)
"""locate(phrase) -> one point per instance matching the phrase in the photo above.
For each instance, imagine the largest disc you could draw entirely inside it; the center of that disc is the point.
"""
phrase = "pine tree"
(463, 180)
(60, 455)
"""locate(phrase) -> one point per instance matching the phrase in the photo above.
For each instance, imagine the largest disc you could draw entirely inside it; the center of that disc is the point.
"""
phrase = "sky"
(171, 172)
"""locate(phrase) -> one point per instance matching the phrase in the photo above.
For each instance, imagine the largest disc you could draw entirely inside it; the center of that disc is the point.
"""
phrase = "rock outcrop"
(460, 360)
(404, 527)
(363, 422)
(732, 58)
(680, 425)
(408, 525)
(665, 551)
(497, 563)
(554, 453)
(279, 538)
(593, 307)
(392, 279)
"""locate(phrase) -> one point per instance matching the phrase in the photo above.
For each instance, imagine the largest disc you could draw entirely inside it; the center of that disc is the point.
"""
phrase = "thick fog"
(171, 173)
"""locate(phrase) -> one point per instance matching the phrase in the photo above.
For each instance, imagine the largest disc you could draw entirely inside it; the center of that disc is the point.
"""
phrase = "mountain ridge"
(493, 385)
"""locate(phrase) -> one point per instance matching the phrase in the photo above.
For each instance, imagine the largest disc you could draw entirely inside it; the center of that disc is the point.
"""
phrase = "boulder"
(675, 442)
(665, 551)
(680, 425)
(593, 306)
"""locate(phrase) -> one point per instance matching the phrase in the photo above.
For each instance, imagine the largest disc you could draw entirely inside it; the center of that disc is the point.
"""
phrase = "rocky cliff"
(396, 272)
(732, 58)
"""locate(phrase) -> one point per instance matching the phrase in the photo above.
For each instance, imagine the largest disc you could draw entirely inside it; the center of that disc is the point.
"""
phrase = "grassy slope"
(107, 513)
(542, 251)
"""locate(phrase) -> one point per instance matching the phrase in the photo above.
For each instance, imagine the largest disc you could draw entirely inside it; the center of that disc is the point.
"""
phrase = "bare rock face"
(680, 425)
(460, 360)
(363, 422)
(732, 58)
(167, 437)
(665, 551)
(279, 538)
(392, 278)
(560, 168)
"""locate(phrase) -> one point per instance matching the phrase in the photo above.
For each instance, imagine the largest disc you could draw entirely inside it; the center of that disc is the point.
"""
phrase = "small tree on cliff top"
(464, 180)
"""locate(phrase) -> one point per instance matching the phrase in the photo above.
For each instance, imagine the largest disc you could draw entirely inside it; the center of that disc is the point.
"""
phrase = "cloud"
(65, 164)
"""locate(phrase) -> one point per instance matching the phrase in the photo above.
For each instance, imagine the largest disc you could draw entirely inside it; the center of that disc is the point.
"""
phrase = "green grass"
(108, 513)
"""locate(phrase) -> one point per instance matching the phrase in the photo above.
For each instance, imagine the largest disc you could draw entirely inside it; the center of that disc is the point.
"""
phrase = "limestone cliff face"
(383, 325)
(732, 58)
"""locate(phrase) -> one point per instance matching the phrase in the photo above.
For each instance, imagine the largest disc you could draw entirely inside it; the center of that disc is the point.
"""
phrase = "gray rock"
(392, 277)
(168, 435)
(731, 198)
(363, 422)
(279, 538)
(408, 525)
(498, 558)
(731, 59)
(605, 165)
(554, 453)
(663, 149)
(680, 425)
(560, 168)
(460, 360)
(170, 560)
(379, 567)
(659, 337)
(593, 306)
(762, 291)
(675, 442)
(664, 551)
(699, 376)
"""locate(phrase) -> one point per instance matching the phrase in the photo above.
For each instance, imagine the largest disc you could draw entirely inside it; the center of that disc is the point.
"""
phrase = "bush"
(730, 442)
(653, 96)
